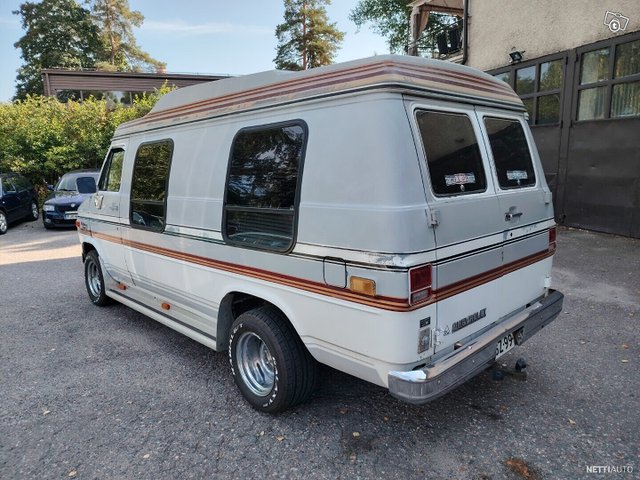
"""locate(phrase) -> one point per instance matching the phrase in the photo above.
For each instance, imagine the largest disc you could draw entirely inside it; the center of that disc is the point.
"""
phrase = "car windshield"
(75, 183)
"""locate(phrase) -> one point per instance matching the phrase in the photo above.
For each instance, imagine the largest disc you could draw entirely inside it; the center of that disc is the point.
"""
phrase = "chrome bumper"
(429, 383)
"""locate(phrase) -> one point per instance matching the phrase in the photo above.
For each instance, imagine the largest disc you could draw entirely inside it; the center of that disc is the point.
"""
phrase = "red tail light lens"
(420, 282)
(552, 239)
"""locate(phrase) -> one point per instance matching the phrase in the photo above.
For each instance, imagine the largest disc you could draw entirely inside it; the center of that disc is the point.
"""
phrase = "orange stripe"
(386, 303)
(432, 74)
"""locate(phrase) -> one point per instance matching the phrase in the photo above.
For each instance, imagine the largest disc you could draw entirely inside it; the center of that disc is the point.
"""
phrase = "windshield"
(76, 183)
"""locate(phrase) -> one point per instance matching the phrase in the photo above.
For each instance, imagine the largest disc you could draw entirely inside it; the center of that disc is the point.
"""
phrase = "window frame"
(494, 167)
(612, 44)
(536, 94)
(104, 173)
(477, 131)
(296, 201)
(166, 185)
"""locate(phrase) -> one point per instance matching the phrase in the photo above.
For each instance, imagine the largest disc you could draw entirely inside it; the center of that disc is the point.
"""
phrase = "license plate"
(71, 216)
(505, 344)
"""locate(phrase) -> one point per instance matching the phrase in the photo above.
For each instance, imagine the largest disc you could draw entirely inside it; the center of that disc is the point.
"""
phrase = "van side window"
(112, 171)
(262, 186)
(453, 155)
(149, 185)
(510, 153)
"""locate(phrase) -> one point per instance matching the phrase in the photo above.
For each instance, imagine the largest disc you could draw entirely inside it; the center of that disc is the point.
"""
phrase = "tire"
(94, 280)
(34, 213)
(270, 364)
(4, 224)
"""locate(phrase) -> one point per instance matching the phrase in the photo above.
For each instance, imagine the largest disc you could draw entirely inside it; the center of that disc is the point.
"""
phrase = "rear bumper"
(427, 384)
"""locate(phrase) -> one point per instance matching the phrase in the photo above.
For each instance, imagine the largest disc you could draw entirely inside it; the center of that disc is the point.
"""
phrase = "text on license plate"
(71, 215)
(505, 344)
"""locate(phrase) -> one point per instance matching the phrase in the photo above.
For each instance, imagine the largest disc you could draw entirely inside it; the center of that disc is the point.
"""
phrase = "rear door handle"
(510, 215)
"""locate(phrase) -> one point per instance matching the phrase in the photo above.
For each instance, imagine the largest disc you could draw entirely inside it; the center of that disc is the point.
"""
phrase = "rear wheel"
(270, 365)
(4, 225)
(94, 280)
(33, 211)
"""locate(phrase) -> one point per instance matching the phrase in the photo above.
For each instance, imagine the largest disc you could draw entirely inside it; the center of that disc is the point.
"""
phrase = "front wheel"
(4, 225)
(94, 280)
(270, 365)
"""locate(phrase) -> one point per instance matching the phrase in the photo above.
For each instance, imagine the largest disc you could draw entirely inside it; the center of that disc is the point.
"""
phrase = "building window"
(263, 186)
(112, 171)
(609, 85)
(149, 185)
(539, 87)
(453, 155)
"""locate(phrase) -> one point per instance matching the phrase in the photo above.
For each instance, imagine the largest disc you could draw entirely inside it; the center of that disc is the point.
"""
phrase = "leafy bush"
(42, 138)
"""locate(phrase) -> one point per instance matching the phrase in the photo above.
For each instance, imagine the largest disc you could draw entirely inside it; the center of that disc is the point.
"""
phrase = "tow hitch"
(499, 371)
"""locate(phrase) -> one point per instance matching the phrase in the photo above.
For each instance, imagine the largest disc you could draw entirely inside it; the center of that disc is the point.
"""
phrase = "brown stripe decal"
(385, 303)
(386, 72)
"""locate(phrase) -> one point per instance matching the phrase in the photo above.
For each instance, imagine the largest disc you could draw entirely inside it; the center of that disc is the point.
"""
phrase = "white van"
(388, 217)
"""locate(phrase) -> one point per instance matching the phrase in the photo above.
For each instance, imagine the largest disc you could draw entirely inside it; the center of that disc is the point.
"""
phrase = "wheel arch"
(237, 302)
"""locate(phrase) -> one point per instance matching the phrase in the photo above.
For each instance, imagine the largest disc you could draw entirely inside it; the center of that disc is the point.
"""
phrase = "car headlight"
(48, 208)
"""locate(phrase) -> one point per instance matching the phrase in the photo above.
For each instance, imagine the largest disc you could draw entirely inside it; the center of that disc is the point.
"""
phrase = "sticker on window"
(517, 175)
(459, 179)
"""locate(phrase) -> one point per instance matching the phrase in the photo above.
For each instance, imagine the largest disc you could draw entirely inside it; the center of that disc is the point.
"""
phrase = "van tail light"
(420, 281)
(552, 239)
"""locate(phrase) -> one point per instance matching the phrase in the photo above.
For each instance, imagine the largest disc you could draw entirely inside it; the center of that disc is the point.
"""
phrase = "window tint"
(510, 153)
(7, 186)
(21, 183)
(112, 171)
(149, 185)
(453, 156)
(262, 186)
(86, 184)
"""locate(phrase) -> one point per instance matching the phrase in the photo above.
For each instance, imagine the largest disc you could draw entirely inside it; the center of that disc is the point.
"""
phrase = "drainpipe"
(465, 32)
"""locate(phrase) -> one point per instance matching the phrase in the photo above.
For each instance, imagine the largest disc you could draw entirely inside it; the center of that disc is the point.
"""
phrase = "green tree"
(120, 49)
(42, 138)
(306, 39)
(59, 33)
(392, 20)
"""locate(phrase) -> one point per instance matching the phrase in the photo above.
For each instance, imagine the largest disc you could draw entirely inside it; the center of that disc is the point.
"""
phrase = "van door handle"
(511, 214)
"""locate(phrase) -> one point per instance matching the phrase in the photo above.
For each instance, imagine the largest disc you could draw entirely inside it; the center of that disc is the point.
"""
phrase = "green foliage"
(306, 39)
(42, 138)
(392, 20)
(59, 33)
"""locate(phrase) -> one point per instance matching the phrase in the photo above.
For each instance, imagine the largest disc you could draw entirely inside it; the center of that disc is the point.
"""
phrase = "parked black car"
(60, 209)
(18, 200)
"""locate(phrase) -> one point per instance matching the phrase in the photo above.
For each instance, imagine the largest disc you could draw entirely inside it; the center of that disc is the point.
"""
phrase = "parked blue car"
(18, 200)
(61, 207)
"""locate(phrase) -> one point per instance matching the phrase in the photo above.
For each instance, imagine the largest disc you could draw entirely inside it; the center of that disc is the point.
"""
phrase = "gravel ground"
(91, 392)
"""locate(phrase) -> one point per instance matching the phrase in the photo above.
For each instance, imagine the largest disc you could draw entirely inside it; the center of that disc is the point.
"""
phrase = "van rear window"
(453, 155)
(510, 153)
(262, 186)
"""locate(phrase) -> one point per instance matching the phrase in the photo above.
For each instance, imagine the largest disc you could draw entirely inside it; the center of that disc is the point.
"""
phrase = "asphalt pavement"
(88, 392)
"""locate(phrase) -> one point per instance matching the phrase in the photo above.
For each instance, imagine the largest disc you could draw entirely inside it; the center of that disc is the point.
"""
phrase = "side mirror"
(50, 188)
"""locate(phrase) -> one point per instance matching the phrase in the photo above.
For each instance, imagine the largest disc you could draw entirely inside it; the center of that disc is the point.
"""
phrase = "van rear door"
(525, 203)
(467, 218)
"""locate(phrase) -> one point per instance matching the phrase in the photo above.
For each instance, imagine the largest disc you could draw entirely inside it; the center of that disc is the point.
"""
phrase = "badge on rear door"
(468, 320)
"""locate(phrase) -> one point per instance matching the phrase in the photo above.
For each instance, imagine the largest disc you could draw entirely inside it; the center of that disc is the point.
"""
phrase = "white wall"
(539, 27)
